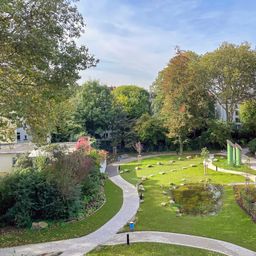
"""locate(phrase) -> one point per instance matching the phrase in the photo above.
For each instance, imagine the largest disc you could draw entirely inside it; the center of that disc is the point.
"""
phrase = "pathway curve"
(79, 246)
(184, 240)
(219, 169)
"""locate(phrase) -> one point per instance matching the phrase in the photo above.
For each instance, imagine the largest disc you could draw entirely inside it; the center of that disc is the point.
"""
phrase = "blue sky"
(134, 39)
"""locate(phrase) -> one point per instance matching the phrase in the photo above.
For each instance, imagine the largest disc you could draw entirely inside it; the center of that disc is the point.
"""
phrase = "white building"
(221, 114)
(22, 135)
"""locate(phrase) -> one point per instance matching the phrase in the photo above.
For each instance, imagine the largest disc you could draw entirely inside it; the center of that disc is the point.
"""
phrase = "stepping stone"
(159, 163)
(182, 184)
(144, 178)
(151, 175)
(162, 173)
(165, 193)
(171, 161)
(149, 166)
(173, 170)
(193, 165)
(163, 204)
(121, 172)
(172, 201)
(126, 170)
(179, 158)
(184, 168)
(137, 168)
(189, 157)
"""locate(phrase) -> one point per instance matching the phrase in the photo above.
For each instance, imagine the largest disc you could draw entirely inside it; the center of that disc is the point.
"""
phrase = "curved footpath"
(107, 234)
(184, 240)
(79, 246)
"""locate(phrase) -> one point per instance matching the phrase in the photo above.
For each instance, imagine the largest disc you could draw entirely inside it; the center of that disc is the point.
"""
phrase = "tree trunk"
(181, 145)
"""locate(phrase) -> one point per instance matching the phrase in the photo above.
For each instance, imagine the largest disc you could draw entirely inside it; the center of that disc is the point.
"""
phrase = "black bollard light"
(128, 239)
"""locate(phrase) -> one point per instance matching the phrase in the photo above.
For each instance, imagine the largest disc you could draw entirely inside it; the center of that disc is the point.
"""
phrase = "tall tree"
(133, 99)
(248, 114)
(231, 75)
(94, 108)
(185, 102)
(39, 58)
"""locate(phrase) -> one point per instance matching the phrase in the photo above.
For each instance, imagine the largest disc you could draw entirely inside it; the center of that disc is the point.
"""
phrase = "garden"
(177, 196)
(57, 195)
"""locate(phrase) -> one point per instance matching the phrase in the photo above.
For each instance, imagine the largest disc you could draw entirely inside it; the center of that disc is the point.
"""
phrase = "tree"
(39, 60)
(230, 75)
(248, 114)
(94, 108)
(179, 84)
(150, 130)
(133, 99)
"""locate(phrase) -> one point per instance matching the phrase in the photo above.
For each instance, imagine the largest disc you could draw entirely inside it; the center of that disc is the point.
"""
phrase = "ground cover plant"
(246, 198)
(197, 199)
(223, 163)
(156, 249)
(66, 230)
(157, 213)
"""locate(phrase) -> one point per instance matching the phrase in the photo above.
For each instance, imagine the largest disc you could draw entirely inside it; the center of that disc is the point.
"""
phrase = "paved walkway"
(184, 240)
(219, 169)
(79, 246)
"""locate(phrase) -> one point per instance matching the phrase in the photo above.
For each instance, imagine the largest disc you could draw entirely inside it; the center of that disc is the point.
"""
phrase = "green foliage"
(51, 188)
(133, 99)
(150, 130)
(246, 198)
(248, 114)
(230, 75)
(252, 146)
(175, 91)
(197, 198)
(40, 60)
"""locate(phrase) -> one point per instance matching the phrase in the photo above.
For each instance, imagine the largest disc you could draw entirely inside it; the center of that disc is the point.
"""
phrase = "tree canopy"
(230, 75)
(133, 99)
(39, 60)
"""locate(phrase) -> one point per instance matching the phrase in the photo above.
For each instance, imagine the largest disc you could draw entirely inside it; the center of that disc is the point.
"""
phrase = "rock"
(189, 157)
(193, 165)
(159, 163)
(183, 179)
(162, 173)
(182, 184)
(173, 170)
(163, 204)
(121, 172)
(172, 201)
(179, 158)
(151, 175)
(165, 193)
(184, 168)
(39, 225)
(137, 168)
(141, 188)
(171, 161)
(144, 178)
(215, 160)
(141, 201)
(150, 165)
(178, 215)
(126, 170)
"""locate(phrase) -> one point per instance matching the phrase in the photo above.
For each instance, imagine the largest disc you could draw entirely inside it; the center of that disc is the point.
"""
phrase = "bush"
(54, 188)
(252, 146)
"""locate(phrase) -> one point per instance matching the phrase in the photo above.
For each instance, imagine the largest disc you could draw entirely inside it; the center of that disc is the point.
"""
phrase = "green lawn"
(145, 249)
(230, 224)
(223, 163)
(69, 230)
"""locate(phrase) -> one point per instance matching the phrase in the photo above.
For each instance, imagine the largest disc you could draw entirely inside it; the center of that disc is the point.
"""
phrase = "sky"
(135, 39)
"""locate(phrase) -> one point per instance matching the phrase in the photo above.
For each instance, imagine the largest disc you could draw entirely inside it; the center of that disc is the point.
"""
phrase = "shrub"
(252, 146)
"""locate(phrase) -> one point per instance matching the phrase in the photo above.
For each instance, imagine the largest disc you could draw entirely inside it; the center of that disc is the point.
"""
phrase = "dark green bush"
(252, 146)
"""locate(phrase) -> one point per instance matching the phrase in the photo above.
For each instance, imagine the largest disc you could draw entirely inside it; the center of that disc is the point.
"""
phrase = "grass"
(69, 230)
(156, 249)
(223, 163)
(231, 224)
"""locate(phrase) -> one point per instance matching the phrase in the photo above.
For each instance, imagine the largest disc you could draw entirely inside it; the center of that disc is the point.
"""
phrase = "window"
(237, 120)
(25, 137)
(18, 136)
